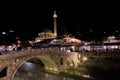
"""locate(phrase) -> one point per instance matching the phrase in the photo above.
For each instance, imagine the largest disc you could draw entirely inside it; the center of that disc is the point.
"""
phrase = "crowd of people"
(7, 48)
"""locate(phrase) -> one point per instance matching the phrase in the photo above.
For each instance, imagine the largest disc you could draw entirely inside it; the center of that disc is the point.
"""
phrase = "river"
(32, 71)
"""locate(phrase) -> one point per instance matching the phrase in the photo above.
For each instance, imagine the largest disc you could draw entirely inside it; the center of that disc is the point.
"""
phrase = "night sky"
(84, 20)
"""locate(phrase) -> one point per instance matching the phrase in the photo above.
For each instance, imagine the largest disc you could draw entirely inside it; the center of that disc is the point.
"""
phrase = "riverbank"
(99, 66)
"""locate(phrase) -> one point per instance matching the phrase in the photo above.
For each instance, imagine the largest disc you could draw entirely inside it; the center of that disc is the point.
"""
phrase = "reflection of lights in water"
(87, 76)
(28, 65)
(35, 72)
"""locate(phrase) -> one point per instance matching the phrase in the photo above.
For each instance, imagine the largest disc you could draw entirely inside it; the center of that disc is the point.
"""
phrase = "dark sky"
(84, 20)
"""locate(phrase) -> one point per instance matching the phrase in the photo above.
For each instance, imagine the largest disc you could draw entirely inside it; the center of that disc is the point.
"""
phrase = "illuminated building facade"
(112, 43)
(46, 34)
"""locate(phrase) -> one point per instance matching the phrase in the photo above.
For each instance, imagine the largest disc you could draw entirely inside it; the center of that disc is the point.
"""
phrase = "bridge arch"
(49, 64)
(3, 72)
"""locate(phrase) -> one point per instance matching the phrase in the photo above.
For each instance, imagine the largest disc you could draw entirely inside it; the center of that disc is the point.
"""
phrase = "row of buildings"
(73, 44)
(49, 38)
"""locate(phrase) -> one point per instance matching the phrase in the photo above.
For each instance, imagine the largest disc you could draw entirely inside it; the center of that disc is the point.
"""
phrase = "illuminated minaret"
(55, 24)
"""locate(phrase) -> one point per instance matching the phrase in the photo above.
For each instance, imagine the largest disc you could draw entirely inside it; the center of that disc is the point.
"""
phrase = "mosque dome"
(45, 34)
(47, 30)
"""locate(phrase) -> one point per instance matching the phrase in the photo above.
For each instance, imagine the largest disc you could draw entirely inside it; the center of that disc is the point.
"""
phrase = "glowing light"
(79, 55)
(51, 68)
(55, 69)
(55, 15)
(3, 33)
(85, 58)
(11, 31)
(71, 64)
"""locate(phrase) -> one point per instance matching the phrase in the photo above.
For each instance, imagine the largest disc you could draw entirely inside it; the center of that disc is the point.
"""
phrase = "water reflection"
(31, 71)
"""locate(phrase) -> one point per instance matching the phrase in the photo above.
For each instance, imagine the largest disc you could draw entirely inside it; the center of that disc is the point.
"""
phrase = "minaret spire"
(55, 23)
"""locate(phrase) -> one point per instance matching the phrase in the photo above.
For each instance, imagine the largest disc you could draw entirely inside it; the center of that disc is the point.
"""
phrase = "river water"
(32, 71)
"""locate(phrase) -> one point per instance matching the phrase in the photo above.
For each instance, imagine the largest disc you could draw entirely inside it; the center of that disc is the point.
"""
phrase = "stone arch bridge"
(55, 61)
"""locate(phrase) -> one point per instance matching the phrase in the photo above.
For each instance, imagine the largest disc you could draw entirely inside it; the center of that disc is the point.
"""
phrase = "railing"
(16, 54)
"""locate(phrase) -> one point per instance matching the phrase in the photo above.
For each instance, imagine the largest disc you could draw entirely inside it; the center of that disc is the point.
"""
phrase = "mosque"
(46, 33)
(65, 43)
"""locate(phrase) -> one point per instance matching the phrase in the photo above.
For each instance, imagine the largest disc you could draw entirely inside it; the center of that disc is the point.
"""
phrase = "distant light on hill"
(11, 31)
(3, 33)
